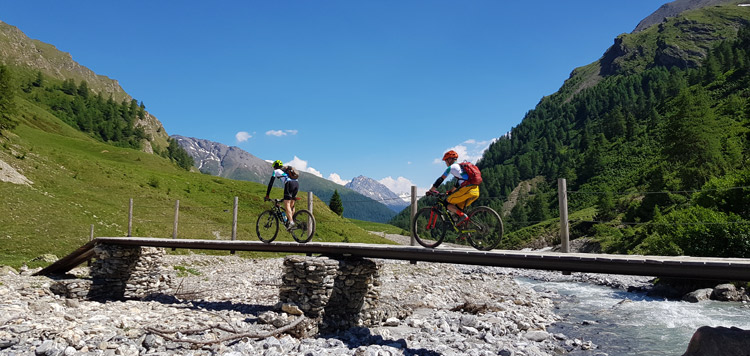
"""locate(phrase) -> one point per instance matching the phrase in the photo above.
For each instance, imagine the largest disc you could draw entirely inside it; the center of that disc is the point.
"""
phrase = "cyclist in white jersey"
(291, 187)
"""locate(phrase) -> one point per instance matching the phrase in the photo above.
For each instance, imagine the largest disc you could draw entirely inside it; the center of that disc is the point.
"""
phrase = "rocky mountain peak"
(673, 9)
(221, 160)
(377, 191)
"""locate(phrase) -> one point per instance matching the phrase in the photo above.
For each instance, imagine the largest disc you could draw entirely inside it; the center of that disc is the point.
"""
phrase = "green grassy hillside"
(79, 182)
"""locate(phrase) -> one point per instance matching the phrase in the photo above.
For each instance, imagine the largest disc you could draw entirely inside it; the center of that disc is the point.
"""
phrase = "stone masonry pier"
(334, 293)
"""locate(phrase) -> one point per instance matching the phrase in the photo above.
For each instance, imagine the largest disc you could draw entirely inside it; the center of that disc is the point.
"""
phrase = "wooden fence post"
(413, 211)
(91, 238)
(562, 196)
(176, 218)
(234, 219)
(309, 208)
(130, 218)
(234, 222)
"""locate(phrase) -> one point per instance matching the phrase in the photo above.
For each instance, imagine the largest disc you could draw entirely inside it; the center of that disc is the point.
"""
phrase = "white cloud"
(279, 133)
(243, 136)
(470, 150)
(398, 185)
(334, 177)
(301, 165)
(402, 187)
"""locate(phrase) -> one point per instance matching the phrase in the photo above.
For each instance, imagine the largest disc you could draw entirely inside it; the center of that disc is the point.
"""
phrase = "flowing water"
(623, 323)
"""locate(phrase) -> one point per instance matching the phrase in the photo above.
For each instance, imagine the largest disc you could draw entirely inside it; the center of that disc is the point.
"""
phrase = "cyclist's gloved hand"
(266, 198)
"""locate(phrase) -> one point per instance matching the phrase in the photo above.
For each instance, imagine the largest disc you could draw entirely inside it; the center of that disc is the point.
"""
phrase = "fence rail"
(563, 197)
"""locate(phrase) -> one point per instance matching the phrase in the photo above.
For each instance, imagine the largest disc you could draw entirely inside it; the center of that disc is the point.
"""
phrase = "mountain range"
(361, 201)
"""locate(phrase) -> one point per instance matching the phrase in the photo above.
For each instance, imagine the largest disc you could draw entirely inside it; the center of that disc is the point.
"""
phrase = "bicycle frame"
(442, 207)
(481, 227)
(278, 211)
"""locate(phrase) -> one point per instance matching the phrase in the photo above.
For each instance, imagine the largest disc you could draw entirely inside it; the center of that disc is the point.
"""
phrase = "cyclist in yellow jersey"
(461, 195)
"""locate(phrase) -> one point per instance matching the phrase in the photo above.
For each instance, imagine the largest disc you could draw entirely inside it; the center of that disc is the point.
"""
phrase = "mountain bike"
(432, 225)
(267, 226)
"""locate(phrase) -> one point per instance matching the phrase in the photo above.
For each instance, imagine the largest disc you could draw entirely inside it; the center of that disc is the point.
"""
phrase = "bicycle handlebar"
(436, 194)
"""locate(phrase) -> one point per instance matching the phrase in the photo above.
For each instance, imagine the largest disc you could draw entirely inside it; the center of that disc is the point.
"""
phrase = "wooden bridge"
(731, 269)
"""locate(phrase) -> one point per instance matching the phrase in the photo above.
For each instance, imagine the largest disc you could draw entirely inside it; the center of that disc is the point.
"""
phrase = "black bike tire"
(421, 219)
(267, 217)
(304, 236)
(485, 244)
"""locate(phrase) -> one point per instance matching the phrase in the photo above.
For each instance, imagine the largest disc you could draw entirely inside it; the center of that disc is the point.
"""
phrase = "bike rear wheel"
(484, 229)
(304, 226)
(429, 227)
(267, 226)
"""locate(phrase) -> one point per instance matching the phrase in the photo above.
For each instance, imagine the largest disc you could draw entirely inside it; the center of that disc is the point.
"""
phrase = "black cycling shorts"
(290, 189)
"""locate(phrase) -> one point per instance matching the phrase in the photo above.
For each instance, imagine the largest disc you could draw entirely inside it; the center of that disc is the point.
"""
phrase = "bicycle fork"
(433, 220)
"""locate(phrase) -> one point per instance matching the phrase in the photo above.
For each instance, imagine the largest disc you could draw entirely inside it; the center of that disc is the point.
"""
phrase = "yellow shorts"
(464, 196)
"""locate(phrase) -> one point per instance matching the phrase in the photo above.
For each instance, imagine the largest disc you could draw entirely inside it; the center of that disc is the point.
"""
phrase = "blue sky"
(337, 88)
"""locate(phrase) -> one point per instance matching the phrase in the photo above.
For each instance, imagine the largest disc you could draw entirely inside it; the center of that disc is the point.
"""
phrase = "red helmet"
(450, 154)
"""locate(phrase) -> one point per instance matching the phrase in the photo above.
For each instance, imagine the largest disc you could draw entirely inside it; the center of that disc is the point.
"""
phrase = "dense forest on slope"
(104, 119)
(655, 156)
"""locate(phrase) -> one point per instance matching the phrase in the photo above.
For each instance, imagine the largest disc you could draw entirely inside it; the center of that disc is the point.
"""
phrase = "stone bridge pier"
(337, 293)
(334, 293)
(119, 273)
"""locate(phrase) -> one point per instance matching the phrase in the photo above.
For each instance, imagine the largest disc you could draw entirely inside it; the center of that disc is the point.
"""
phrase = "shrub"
(698, 231)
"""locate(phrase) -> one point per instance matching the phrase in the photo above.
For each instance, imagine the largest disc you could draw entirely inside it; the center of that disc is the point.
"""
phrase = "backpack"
(291, 172)
(475, 176)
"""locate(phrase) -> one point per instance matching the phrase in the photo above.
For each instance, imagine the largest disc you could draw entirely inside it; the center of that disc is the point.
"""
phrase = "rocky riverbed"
(226, 305)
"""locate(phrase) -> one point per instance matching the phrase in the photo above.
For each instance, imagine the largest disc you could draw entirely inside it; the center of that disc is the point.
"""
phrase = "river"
(625, 323)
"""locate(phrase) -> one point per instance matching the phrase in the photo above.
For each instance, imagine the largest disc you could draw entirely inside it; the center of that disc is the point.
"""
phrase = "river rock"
(5, 270)
(719, 341)
(698, 295)
(725, 292)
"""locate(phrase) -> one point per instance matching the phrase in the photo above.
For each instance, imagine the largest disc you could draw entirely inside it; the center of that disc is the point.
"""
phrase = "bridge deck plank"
(736, 269)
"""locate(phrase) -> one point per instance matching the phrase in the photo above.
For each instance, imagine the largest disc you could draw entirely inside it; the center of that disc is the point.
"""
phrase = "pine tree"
(692, 139)
(83, 90)
(335, 204)
(39, 81)
(7, 100)
(606, 207)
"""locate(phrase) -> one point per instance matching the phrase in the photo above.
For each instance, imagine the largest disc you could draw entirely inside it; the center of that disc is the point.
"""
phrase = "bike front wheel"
(484, 229)
(267, 226)
(304, 226)
(429, 227)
